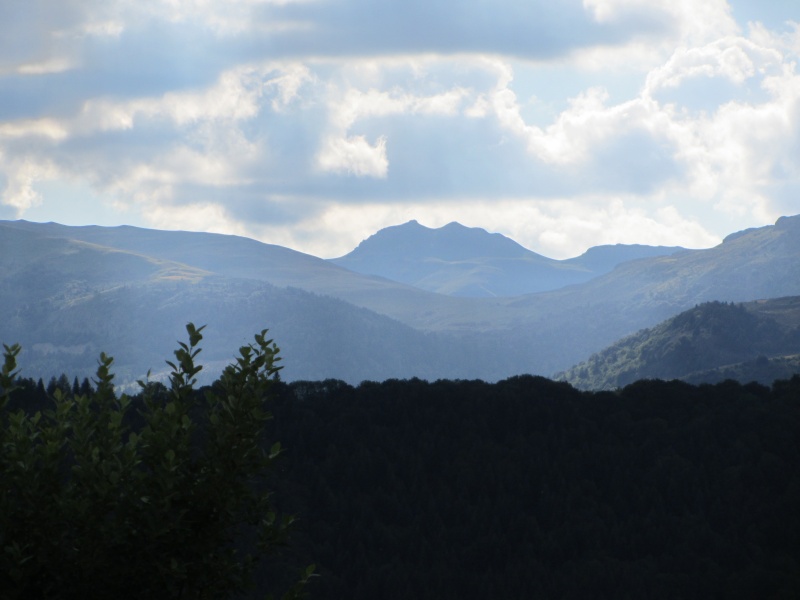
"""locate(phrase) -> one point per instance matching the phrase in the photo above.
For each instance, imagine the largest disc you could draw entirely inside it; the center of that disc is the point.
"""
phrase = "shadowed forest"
(529, 488)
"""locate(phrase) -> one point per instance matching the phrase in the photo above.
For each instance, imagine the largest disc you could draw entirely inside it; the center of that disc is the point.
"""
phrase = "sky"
(314, 123)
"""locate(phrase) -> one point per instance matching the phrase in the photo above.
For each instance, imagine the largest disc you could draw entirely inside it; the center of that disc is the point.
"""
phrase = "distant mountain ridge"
(468, 261)
(69, 292)
(67, 300)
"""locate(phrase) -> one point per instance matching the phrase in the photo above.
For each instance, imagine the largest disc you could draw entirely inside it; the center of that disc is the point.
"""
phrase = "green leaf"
(275, 450)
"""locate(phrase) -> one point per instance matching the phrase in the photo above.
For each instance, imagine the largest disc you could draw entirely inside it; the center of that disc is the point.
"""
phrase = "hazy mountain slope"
(139, 324)
(234, 256)
(701, 340)
(489, 338)
(462, 261)
(763, 263)
(36, 269)
(66, 301)
(785, 311)
(319, 337)
(602, 259)
(227, 255)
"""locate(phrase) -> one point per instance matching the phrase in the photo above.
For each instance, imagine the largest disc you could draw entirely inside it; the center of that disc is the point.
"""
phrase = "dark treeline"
(528, 488)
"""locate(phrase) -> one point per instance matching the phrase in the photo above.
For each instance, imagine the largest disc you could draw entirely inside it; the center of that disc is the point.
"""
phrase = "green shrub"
(161, 496)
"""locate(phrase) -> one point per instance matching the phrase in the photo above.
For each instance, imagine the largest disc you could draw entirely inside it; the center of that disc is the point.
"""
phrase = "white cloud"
(735, 155)
(170, 104)
(237, 95)
(194, 217)
(578, 132)
(47, 128)
(110, 28)
(564, 228)
(287, 83)
(736, 59)
(234, 97)
(374, 103)
(686, 23)
(691, 22)
(20, 192)
(50, 65)
(354, 155)
(732, 156)
(341, 152)
(202, 140)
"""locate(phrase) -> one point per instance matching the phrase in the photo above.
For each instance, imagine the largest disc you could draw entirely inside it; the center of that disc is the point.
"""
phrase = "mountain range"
(462, 261)
(457, 307)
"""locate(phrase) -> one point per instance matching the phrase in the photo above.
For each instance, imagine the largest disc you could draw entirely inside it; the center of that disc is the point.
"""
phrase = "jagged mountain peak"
(454, 260)
(451, 242)
(458, 260)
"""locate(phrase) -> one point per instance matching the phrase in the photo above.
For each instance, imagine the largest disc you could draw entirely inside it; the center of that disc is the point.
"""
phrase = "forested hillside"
(711, 342)
(529, 488)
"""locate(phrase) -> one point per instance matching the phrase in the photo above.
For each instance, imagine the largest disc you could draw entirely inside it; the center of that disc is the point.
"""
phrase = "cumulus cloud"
(690, 22)
(278, 118)
(20, 193)
(734, 58)
(203, 216)
(354, 155)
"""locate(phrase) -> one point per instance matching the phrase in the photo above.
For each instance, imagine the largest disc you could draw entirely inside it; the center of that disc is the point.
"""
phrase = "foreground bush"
(103, 497)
